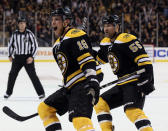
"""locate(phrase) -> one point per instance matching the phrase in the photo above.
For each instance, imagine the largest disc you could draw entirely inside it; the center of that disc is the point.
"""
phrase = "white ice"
(24, 100)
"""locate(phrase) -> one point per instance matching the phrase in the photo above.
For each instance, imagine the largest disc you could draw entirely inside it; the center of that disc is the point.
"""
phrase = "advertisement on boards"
(44, 54)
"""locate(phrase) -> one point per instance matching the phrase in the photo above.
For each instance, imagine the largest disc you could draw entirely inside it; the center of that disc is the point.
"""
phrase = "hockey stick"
(15, 116)
(86, 18)
(84, 24)
(123, 78)
(120, 79)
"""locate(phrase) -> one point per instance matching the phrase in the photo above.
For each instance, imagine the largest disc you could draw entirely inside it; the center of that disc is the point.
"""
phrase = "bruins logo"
(126, 36)
(114, 63)
(75, 31)
(62, 62)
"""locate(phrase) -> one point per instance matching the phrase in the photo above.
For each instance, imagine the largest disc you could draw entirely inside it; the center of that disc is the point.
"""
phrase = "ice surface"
(24, 100)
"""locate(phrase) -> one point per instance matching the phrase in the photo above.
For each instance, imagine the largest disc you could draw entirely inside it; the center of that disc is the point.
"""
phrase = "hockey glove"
(146, 82)
(93, 88)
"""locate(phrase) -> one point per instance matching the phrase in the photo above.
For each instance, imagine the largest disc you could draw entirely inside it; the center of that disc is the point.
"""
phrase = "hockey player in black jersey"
(81, 77)
(125, 54)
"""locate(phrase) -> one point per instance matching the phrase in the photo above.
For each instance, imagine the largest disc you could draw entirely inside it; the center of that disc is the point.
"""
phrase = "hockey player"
(81, 77)
(125, 54)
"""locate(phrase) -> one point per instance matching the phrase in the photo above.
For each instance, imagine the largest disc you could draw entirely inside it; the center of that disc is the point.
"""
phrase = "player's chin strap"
(114, 36)
(65, 31)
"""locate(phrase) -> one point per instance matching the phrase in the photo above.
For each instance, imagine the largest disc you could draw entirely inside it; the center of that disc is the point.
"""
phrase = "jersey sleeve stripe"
(78, 76)
(92, 60)
(139, 57)
(73, 74)
(98, 71)
(73, 79)
(83, 56)
(70, 84)
(143, 59)
(86, 59)
(145, 63)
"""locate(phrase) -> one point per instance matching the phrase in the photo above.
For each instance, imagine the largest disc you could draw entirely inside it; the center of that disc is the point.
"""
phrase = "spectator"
(135, 12)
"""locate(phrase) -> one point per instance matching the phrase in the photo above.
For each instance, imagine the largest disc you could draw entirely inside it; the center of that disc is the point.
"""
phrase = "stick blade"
(12, 114)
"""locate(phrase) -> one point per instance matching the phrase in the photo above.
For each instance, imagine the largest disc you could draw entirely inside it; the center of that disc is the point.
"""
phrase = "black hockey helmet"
(111, 19)
(64, 12)
(22, 19)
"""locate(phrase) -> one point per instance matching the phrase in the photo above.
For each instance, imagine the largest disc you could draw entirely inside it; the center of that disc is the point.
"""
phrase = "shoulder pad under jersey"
(105, 41)
(124, 38)
(74, 33)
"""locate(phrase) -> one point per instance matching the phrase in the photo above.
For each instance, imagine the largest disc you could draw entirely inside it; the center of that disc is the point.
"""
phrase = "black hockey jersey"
(125, 55)
(73, 56)
(102, 53)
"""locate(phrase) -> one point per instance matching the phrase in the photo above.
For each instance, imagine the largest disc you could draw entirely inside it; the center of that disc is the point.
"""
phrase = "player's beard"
(110, 34)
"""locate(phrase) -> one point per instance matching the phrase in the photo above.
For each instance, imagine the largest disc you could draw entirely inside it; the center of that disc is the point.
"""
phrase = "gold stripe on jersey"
(72, 33)
(145, 63)
(84, 59)
(142, 60)
(124, 38)
(81, 79)
(139, 57)
(81, 66)
(78, 76)
(98, 71)
(80, 58)
(74, 74)
(100, 60)
(105, 41)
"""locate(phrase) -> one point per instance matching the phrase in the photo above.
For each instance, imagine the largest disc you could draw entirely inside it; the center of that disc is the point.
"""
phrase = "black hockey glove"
(146, 81)
(93, 88)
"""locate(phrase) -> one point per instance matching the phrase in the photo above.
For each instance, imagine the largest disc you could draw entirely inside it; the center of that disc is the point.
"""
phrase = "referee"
(22, 49)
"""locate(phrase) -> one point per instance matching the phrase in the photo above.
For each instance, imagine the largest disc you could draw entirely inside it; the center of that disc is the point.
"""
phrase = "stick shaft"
(123, 78)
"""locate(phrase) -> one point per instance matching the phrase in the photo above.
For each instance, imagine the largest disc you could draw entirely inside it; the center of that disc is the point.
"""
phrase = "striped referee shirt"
(22, 43)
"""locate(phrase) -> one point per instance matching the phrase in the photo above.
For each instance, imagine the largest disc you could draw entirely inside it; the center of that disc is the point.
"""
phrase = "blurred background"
(148, 19)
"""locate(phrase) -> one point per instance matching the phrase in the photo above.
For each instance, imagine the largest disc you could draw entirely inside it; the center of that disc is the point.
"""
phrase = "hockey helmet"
(111, 19)
(64, 12)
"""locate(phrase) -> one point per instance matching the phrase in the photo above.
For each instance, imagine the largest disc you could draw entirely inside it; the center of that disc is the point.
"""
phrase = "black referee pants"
(18, 62)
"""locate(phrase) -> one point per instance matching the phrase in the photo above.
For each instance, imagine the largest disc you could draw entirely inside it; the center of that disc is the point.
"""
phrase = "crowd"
(138, 17)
